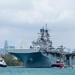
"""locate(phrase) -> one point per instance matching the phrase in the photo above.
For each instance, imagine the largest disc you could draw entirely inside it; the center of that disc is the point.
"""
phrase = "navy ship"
(41, 54)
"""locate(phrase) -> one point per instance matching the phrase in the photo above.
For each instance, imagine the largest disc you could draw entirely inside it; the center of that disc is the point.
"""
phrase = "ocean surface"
(36, 71)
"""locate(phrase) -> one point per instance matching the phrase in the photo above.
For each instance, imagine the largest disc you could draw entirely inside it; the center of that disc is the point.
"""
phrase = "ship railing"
(22, 50)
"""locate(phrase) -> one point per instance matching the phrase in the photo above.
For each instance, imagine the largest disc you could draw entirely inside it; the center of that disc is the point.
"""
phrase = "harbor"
(42, 53)
(37, 37)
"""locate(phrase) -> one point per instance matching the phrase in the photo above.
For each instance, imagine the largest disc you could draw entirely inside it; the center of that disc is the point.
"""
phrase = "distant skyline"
(20, 21)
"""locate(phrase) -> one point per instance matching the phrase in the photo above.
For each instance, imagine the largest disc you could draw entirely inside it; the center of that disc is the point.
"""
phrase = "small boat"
(58, 64)
(2, 62)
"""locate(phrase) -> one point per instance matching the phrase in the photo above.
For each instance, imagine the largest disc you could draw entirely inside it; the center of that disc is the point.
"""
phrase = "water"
(35, 71)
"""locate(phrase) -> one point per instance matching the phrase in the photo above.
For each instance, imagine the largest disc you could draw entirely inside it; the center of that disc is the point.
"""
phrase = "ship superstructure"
(41, 53)
(43, 42)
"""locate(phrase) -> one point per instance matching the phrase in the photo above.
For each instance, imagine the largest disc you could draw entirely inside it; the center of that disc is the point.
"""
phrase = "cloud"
(4, 32)
(36, 11)
(23, 18)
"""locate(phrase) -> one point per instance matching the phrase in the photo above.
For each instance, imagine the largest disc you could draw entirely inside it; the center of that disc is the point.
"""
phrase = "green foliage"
(12, 61)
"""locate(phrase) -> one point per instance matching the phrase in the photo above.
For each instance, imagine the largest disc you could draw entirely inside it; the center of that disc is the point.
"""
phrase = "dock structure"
(68, 58)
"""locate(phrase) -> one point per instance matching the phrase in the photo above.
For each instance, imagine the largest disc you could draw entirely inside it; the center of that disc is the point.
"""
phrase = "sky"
(20, 21)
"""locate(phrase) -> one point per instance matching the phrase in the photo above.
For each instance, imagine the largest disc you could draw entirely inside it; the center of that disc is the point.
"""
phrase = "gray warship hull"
(34, 60)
